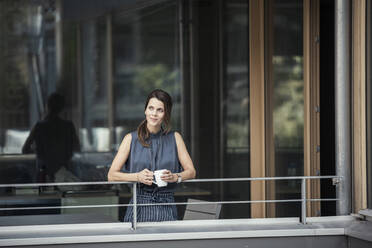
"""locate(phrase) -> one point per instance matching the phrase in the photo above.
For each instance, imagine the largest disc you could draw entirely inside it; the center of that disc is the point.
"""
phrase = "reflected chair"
(202, 212)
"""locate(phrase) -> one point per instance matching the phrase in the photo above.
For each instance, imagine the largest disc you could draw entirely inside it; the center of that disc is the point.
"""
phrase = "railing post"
(342, 104)
(134, 220)
(303, 200)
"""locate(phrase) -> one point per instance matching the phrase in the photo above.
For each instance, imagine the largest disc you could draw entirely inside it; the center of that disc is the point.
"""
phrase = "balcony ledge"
(176, 230)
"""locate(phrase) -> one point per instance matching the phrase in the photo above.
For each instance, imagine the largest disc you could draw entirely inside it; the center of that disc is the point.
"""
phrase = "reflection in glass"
(285, 100)
(17, 57)
(236, 106)
(27, 72)
(65, 46)
(146, 57)
(35, 44)
(54, 140)
(94, 130)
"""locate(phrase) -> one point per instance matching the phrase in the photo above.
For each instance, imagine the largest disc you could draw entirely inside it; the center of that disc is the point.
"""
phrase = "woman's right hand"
(145, 176)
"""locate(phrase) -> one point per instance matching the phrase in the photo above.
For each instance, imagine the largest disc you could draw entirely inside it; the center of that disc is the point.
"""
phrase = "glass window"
(220, 88)
(94, 131)
(23, 66)
(285, 101)
(68, 47)
(20, 28)
(146, 57)
(236, 116)
(42, 54)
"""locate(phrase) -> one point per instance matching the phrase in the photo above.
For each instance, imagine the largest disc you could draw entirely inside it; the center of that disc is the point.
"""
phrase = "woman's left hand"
(169, 177)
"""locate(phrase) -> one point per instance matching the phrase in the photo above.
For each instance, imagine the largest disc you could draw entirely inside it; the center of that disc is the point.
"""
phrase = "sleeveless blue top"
(161, 154)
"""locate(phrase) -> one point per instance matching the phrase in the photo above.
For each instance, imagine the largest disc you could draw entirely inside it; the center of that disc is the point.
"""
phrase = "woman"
(153, 147)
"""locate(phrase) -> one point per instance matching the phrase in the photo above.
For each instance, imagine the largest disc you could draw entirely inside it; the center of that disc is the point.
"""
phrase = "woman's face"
(155, 112)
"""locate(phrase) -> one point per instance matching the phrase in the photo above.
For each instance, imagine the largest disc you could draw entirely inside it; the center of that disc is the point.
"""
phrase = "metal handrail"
(303, 199)
(186, 181)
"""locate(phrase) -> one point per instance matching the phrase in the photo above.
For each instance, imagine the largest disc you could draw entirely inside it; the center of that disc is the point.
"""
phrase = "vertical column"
(257, 104)
(185, 27)
(110, 81)
(221, 133)
(312, 102)
(303, 202)
(134, 221)
(79, 63)
(359, 106)
(59, 40)
(89, 69)
(368, 78)
(270, 186)
(342, 104)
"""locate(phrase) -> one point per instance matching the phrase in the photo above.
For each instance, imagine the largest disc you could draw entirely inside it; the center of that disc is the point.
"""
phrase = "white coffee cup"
(158, 181)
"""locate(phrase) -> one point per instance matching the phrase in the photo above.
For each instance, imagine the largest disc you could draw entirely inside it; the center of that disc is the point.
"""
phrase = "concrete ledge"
(176, 230)
(360, 230)
(174, 236)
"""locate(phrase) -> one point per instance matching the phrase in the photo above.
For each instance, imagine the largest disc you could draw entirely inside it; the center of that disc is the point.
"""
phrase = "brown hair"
(161, 95)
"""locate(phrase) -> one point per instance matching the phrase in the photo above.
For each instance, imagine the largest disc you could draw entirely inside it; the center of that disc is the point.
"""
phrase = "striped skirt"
(152, 213)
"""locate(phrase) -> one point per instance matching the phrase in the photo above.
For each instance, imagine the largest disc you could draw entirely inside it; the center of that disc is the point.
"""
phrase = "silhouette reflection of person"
(55, 140)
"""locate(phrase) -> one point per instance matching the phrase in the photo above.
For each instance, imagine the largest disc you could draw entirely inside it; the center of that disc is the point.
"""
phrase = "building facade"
(273, 88)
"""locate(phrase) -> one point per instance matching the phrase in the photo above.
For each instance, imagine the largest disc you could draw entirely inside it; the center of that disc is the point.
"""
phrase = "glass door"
(284, 103)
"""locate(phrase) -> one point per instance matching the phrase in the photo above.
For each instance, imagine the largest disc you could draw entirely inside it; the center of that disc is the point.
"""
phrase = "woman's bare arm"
(115, 174)
(185, 160)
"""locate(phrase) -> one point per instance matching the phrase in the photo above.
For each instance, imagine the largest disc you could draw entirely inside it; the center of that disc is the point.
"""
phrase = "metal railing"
(303, 200)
